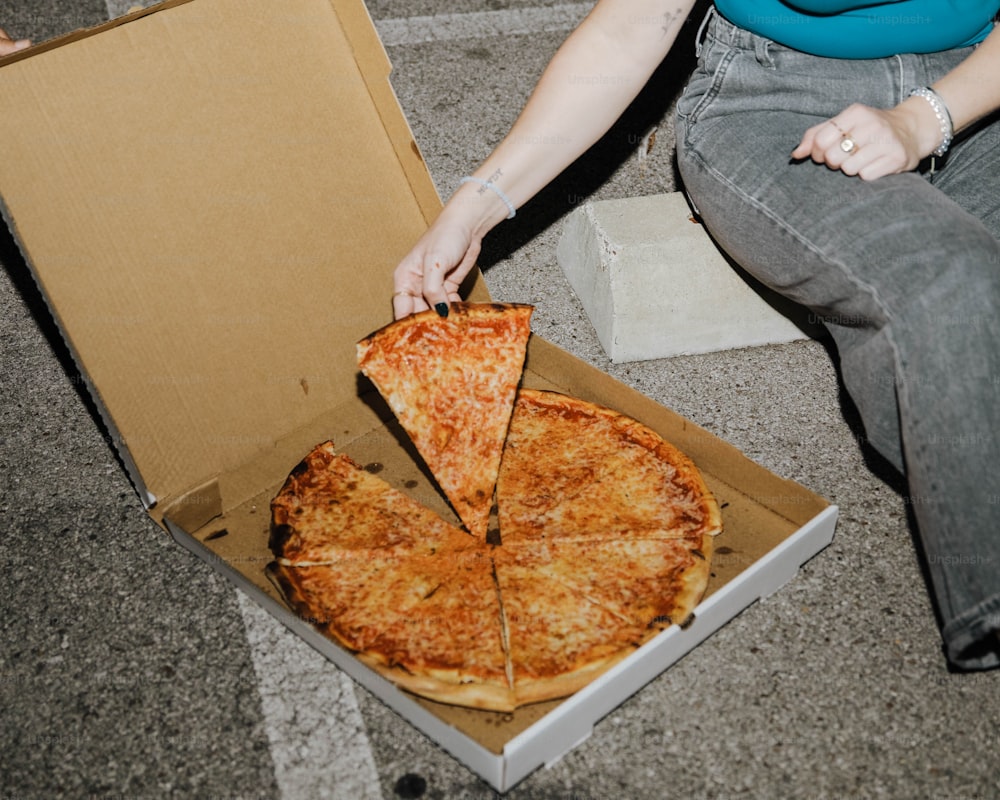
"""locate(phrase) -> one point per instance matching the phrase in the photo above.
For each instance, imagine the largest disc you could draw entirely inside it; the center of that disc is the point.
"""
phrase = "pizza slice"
(430, 624)
(558, 639)
(652, 583)
(321, 593)
(574, 469)
(451, 383)
(330, 507)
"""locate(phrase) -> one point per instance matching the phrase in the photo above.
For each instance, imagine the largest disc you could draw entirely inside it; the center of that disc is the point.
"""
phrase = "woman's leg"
(906, 279)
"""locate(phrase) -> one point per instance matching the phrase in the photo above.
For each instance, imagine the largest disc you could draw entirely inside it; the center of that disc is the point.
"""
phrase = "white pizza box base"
(215, 324)
(571, 723)
(772, 526)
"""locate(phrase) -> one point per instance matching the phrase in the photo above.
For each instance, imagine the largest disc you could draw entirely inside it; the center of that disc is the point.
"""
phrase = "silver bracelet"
(495, 188)
(943, 117)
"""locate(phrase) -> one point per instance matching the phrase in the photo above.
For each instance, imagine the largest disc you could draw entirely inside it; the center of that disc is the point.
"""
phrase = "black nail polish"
(442, 309)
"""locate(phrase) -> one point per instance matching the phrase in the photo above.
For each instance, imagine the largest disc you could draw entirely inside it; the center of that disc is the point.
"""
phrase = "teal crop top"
(862, 29)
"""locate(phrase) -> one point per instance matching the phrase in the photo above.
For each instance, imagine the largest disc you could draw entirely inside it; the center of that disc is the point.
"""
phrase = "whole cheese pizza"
(605, 539)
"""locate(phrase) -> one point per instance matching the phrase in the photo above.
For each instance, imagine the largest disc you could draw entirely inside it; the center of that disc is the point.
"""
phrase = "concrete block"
(655, 285)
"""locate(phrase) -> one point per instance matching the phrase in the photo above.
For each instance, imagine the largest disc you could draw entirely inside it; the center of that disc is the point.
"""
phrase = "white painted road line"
(481, 24)
(318, 741)
(448, 27)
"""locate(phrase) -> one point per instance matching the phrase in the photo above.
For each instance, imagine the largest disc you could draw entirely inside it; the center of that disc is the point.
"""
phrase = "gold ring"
(848, 145)
(403, 293)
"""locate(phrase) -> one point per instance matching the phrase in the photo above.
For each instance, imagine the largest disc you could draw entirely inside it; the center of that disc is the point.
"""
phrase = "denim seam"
(902, 77)
(701, 35)
(970, 624)
(713, 91)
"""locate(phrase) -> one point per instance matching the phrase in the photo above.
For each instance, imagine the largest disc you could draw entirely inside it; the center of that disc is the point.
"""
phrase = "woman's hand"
(432, 272)
(8, 45)
(870, 143)
(896, 140)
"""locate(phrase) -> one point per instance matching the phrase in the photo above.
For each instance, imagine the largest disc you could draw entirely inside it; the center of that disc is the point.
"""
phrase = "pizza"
(605, 474)
(451, 384)
(605, 540)
(327, 493)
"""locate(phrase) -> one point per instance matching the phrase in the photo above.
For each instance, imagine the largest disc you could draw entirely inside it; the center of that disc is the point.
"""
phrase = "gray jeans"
(904, 271)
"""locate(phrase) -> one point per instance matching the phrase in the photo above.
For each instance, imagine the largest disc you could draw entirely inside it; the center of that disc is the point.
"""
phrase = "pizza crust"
(447, 688)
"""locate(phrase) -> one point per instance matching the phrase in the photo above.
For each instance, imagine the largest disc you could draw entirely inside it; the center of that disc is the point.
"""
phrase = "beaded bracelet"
(943, 117)
(495, 188)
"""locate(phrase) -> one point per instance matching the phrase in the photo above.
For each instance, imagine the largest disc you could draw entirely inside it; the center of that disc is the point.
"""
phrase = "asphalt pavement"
(129, 669)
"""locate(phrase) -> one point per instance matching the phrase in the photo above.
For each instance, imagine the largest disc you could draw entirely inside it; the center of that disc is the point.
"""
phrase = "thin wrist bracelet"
(495, 188)
(942, 114)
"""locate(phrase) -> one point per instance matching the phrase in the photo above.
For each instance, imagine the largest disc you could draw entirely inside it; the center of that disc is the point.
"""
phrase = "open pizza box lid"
(212, 195)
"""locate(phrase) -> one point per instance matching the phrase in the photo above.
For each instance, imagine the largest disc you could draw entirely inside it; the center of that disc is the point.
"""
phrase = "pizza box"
(271, 183)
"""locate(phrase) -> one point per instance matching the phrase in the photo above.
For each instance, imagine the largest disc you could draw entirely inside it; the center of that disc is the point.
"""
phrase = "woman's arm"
(590, 81)
(898, 139)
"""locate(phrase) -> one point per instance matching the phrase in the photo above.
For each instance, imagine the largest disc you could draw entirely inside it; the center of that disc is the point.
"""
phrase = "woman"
(847, 155)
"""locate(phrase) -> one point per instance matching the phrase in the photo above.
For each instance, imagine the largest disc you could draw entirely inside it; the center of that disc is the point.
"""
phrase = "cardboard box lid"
(166, 174)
